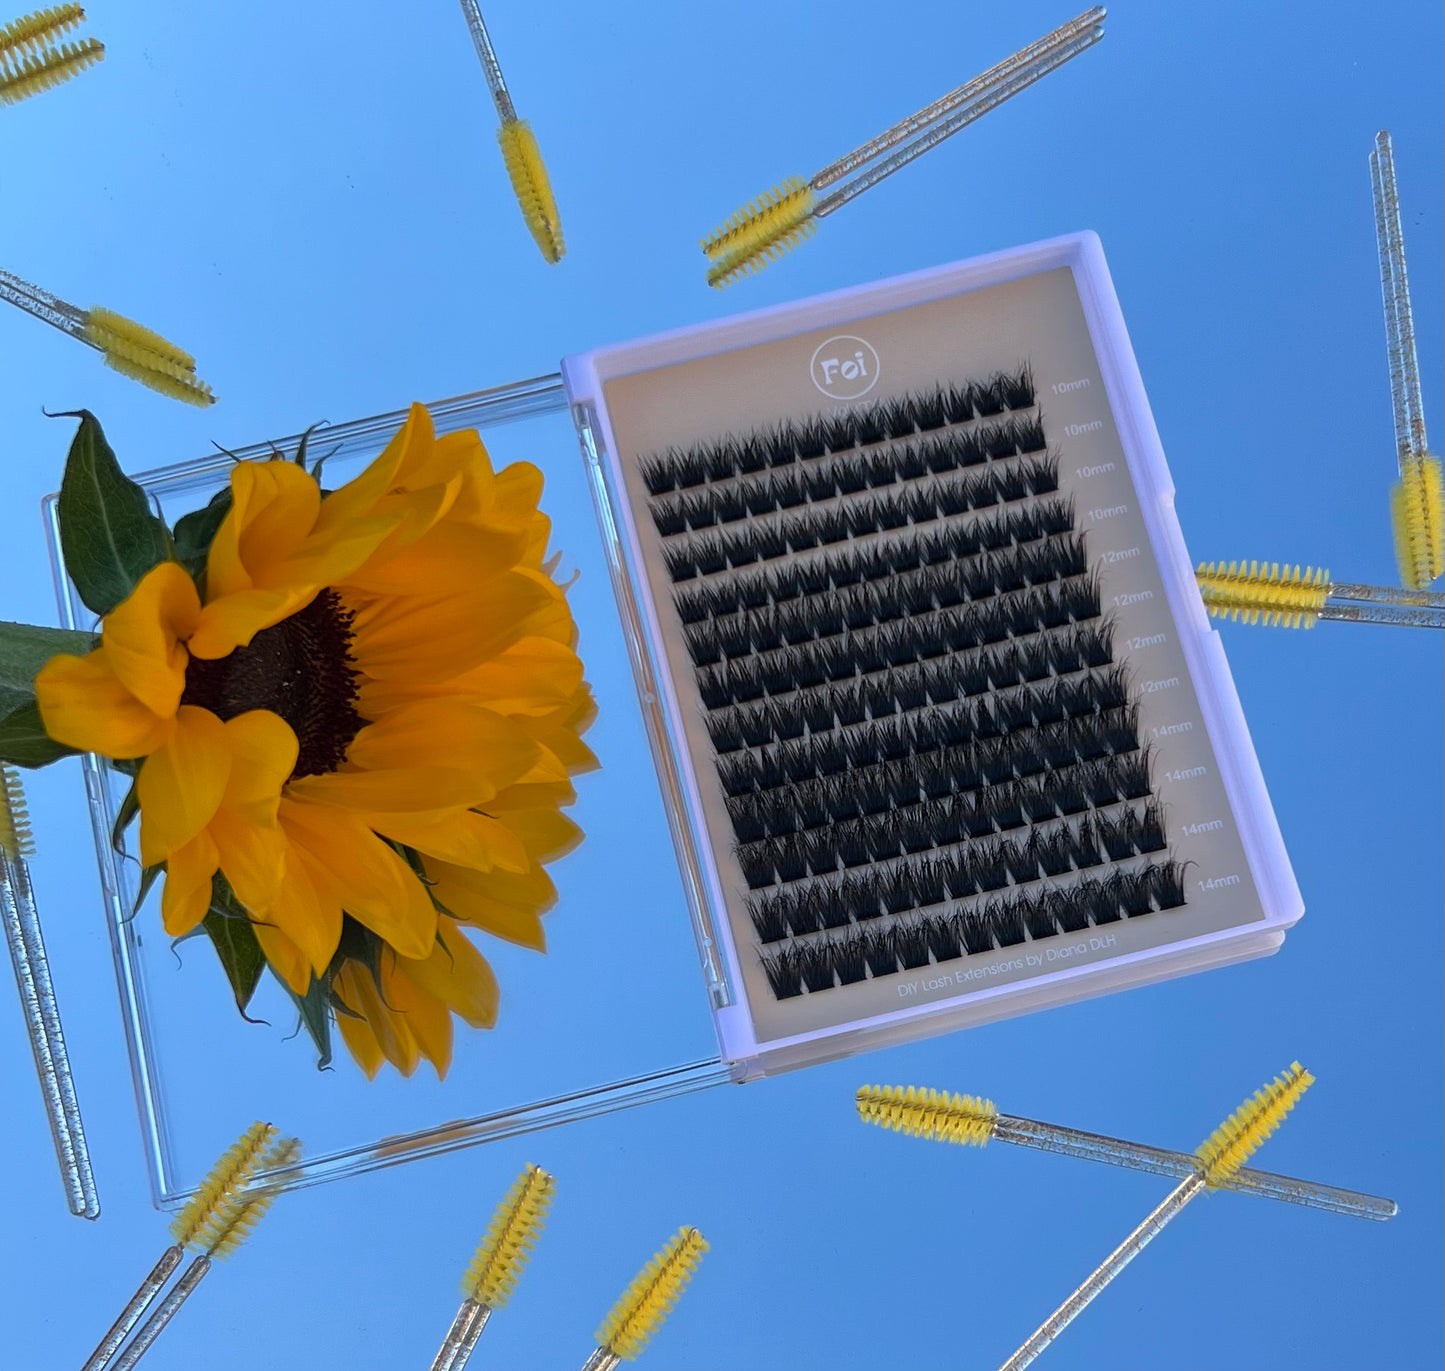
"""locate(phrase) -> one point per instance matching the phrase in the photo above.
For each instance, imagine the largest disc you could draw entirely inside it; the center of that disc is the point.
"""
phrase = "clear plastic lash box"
(942, 728)
(990, 446)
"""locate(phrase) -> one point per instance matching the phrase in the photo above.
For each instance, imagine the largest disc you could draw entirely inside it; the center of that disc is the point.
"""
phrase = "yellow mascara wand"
(775, 222)
(1283, 596)
(37, 999)
(647, 1301)
(501, 1257)
(519, 148)
(215, 1221)
(1217, 1161)
(969, 1120)
(1417, 509)
(127, 347)
(31, 61)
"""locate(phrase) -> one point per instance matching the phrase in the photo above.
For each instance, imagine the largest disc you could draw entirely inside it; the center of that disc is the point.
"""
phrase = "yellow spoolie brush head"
(532, 188)
(651, 1296)
(1417, 510)
(33, 30)
(932, 1114)
(23, 74)
(145, 356)
(757, 216)
(772, 225)
(1263, 592)
(1242, 1134)
(230, 1224)
(16, 840)
(228, 1174)
(507, 1245)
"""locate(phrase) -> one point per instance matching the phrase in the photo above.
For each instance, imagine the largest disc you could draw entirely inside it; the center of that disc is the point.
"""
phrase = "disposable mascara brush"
(214, 1201)
(1218, 1158)
(127, 347)
(37, 999)
(1417, 508)
(501, 1257)
(647, 1301)
(1281, 596)
(776, 221)
(974, 1122)
(519, 148)
(30, 59)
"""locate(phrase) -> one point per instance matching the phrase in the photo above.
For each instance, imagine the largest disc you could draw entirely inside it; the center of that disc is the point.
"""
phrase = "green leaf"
(241, 956)
(24, 649)
(196, 530)
(315, 1010)
(148, 878)
(107, 531)
(129, 808)
(24, 741)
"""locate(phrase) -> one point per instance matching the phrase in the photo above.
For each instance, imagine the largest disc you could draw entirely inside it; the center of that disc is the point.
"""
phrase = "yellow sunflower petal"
(452, 456)
(533, 676)
(549, 794)
(530, 677)
(464, 839)
(358, 496)
(545, 833)
(359, 992)
(507, 905)
(515, 497)
(186, 899)
(281, 510)
(427, 1017)
(285, 958)
(446, 733)
(181, 784)
(411, 515)
(84, 705)
(141, 633)
(306, 910)
(449, 555)
(233, 620)
(458, 975)
(560, 732)
(263, 755)
(357, 1035)
(376, 887)
(253, 858)
(329, 558)
(415, 632)
(405, 790)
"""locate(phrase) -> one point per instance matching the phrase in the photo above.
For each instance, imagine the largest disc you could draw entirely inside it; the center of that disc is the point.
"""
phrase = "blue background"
(310, 199)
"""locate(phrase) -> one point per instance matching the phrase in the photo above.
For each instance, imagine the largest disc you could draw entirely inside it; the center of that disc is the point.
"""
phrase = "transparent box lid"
(614, 1014)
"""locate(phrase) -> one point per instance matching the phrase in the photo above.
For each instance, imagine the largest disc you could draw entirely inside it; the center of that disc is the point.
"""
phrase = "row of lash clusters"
(998, 923)
(823, 525)
(863, 426)
(928, 715)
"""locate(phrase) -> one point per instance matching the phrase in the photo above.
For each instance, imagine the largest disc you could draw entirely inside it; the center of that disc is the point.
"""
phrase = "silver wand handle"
(1114, 1263)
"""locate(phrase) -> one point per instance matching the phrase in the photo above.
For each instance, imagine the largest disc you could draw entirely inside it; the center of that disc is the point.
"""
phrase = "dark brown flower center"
(301, 669)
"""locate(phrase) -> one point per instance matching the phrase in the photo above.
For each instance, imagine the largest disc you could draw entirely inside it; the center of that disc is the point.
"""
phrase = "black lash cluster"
(822, 525)
(851, 474)
(923, 741)
(878, 422)
(1003, 922)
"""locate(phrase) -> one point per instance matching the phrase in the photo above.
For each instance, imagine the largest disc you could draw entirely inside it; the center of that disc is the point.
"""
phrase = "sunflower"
(359, 722)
